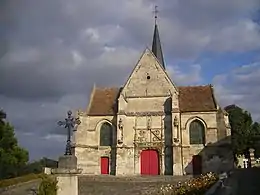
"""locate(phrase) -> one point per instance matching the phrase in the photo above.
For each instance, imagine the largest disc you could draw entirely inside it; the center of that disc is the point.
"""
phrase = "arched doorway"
(107, 163)
(149, 162)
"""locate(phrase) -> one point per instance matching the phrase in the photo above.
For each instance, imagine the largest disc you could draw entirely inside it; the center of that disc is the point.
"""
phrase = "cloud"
(190, 77)
(241, 87)
(53, 51)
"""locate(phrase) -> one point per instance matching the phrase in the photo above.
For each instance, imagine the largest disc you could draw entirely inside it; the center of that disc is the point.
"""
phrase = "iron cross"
(155, 13)
(69, 123)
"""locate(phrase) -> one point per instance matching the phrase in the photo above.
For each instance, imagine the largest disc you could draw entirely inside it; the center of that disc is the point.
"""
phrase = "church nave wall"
(208, 120)
(89, 159)
(88, 132)
(125, 161)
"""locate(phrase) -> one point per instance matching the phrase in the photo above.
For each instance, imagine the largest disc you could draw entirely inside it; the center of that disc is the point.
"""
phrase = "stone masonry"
(155, 100)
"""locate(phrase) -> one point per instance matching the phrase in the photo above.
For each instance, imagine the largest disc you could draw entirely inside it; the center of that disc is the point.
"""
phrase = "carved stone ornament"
(80, 113)
(120, 130)
(175, 122)
(149, 123)
(176, 140)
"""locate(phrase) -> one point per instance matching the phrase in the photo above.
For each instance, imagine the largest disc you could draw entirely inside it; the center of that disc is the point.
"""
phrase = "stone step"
(118, 185)
(109, 178)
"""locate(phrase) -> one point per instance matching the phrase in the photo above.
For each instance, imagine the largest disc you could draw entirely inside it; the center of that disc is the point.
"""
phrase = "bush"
(48, 186)
(17, 180)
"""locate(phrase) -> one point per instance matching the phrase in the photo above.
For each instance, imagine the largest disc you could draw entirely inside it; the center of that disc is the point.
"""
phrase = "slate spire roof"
(156, 46)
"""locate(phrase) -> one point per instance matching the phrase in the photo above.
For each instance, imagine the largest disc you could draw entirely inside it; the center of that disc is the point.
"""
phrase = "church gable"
(148, 79)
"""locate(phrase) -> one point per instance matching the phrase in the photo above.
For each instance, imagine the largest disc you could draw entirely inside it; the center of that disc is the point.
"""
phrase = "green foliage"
(37, 166)
(2, 116)
(12, 157)
(17, 180)
(48, 186)
(245, 133)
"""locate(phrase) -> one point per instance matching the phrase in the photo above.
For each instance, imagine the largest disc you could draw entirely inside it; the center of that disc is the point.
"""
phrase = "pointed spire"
(156, 47)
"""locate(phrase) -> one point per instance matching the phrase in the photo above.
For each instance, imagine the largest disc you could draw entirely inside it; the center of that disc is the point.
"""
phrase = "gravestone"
(240, 159)
(252, 157)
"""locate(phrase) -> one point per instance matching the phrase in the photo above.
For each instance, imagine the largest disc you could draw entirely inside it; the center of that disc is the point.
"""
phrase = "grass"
(14, 181)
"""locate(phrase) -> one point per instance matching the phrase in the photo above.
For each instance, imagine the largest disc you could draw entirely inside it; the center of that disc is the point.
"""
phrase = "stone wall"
(125, 160)
(148, 79)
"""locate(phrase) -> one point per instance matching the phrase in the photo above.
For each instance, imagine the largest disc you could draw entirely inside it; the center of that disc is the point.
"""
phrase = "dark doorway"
(197, 164)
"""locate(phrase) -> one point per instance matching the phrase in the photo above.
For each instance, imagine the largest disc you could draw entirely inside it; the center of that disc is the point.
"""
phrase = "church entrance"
(104, 165)
(197, 164)
(149, 162)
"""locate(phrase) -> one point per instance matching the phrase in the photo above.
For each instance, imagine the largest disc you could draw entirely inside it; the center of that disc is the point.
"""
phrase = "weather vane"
(155, 13)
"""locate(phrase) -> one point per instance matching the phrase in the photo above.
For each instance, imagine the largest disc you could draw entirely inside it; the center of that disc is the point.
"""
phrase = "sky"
(53, 51)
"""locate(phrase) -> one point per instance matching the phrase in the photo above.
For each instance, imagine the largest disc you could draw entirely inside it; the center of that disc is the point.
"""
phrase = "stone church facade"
(150, 126)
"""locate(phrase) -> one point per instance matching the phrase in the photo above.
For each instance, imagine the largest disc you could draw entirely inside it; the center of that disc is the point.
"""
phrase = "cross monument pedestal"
(67, 175)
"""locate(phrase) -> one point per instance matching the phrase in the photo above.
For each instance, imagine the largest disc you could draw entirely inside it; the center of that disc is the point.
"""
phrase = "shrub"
(48, 185)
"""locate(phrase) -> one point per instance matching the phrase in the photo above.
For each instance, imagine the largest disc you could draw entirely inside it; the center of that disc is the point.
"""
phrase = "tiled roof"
(104, 102)
(191, 99)
(196, 99)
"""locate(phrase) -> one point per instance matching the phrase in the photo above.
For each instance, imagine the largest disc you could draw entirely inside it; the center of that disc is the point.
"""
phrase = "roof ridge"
(107, 87)
(207, 85)
(91, 98)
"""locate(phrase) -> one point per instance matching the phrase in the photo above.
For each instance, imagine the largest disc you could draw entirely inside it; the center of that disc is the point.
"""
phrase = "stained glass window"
(197, 132)
(106, 134)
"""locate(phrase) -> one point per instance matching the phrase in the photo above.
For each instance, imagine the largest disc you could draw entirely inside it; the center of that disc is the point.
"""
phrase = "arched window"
(105, 135)
(197, 132)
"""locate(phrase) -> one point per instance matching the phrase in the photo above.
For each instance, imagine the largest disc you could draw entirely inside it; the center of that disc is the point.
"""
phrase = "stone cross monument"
(69, 123)
(67, 171)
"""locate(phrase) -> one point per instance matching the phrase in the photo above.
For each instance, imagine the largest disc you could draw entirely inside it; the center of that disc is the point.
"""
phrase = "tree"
(12, 157)
(2, 116)
(244, 131)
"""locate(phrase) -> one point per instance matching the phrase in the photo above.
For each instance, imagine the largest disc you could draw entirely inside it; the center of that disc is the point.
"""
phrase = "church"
(150, 126)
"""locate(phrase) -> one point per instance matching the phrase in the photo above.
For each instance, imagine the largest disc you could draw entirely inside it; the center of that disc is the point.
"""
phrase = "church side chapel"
(150, 126)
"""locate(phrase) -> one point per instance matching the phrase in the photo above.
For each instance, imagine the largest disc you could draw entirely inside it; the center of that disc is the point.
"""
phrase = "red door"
(197, 164)
(104, 165)
(149, 162)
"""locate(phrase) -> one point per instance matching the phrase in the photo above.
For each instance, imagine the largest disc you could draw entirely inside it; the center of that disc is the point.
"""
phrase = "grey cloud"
(50, 60)
(208, 14)
(40, 146)
(240, 87)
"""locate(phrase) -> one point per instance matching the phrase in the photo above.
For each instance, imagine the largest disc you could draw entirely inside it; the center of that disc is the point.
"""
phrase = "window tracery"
(105, 135)
(197, 132)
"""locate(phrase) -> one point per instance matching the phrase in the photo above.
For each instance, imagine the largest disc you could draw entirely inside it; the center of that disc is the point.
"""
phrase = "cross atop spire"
(156, 46)
(155, 13)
